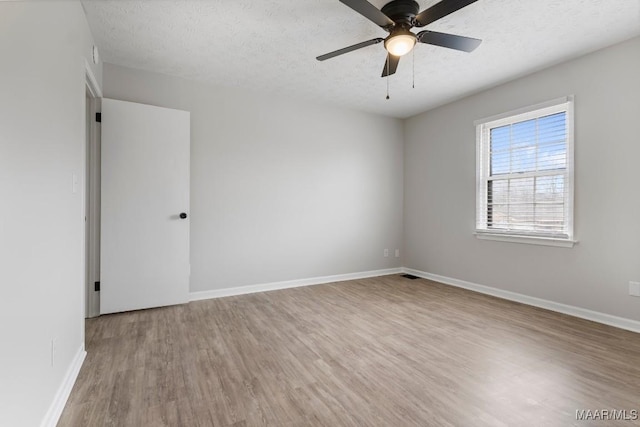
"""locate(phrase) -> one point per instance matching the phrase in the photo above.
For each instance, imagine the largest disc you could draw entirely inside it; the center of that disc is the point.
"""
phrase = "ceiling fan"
(397, 18)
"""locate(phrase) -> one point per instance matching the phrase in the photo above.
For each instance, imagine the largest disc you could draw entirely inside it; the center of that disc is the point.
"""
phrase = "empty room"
(319, 213)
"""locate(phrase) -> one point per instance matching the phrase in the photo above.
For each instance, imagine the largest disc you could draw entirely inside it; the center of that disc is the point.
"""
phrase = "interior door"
(144, 254)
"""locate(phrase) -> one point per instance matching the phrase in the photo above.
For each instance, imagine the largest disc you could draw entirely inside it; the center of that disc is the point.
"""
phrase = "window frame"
(483, 129)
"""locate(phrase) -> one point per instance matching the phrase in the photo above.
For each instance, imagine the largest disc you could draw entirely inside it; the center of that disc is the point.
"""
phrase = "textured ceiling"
(271, 45)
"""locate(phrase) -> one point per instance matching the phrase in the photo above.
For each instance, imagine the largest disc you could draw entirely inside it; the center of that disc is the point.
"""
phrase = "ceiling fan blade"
(440, 10)
(465, 44)
(369, 11)
(349, 49)
(390, 65)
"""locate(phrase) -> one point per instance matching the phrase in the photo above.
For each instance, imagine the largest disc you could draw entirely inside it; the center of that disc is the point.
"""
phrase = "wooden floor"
(387, 351)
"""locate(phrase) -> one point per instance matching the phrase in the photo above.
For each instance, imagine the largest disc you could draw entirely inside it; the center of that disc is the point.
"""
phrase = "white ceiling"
(270, 45)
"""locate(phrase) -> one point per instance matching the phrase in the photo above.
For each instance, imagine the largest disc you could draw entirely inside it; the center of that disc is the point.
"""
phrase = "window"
(525, 175)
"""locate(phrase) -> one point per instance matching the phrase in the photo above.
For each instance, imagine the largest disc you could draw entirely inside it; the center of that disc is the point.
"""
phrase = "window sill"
(531, 240)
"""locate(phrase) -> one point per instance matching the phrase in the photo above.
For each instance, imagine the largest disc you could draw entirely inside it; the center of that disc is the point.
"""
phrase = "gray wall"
(280, 189)
(43, 46)
(439, 214)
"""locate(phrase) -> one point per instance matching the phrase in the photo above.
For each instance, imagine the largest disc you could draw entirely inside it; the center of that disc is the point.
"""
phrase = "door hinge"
(99, 117)
(96, 286)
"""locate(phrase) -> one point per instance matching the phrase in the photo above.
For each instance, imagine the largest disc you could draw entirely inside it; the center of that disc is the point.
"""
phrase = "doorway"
(91, 203)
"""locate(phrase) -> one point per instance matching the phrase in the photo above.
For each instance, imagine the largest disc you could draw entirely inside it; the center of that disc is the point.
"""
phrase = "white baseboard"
(583, 313)
(264, 287)
(62, 395)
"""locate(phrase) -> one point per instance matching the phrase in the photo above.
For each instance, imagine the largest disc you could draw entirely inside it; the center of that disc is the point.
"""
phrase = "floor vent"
(410, 276)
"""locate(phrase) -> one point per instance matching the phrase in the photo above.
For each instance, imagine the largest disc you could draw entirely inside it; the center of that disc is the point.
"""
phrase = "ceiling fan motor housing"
(402, 12)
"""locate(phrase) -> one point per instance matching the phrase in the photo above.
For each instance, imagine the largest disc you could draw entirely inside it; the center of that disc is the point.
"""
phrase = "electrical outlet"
(386, 253)
(634, 289)
(397, 253)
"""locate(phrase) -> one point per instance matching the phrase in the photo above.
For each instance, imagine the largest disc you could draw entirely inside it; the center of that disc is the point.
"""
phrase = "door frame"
(91, 194)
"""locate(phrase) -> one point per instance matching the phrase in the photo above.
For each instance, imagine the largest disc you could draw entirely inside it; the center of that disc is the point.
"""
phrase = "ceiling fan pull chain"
(388, 60)
(413, 60)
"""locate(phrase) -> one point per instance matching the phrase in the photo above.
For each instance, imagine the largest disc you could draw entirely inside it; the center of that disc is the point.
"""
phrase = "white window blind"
(525, 172)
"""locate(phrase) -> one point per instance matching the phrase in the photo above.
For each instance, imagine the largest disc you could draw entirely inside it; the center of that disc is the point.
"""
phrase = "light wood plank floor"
(386, 351)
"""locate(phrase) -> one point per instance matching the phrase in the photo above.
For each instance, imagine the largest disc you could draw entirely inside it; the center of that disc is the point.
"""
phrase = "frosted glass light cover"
(401, 44)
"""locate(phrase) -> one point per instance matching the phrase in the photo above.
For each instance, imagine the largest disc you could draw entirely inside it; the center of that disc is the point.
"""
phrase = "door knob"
(183, 215)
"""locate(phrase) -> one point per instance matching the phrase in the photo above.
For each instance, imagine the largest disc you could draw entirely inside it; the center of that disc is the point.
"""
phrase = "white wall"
(42, 50)
(439, 214)
(280, 189)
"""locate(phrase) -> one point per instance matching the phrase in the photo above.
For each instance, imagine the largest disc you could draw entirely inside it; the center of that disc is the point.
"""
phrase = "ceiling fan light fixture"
(400, 43)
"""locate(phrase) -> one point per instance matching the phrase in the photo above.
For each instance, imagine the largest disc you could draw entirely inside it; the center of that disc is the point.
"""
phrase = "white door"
(144, 254)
